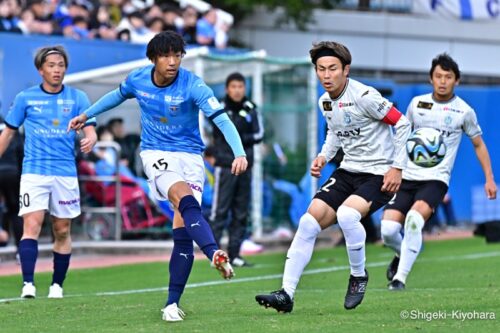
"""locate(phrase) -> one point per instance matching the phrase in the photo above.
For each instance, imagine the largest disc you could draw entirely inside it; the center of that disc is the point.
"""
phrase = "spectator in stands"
(187, 27)
(9, 22)
(101, 25)
(156, 25)
(38, 18)
(128, 142)
(135, 23)
(205, 28)
(171, 17)
(10, 177)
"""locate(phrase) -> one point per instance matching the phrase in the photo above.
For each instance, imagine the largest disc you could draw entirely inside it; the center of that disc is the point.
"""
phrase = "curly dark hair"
(165, 42)
(447, 63)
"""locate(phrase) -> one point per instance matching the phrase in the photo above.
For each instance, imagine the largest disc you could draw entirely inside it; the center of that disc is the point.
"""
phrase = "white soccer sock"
(412, 242)
(391, 235)
(355, 237)
(300, 252)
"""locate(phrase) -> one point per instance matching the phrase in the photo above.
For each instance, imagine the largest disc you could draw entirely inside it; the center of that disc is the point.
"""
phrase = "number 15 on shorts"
(160, 164)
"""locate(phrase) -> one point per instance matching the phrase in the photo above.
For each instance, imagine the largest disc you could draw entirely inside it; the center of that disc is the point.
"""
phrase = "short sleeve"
(374, 104)
(17, 112)
(471, 126)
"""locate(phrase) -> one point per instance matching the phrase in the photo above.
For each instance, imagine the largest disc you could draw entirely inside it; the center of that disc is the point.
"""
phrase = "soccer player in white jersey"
(49, 178)
(170, 98)
(360, 121)
(424, 188)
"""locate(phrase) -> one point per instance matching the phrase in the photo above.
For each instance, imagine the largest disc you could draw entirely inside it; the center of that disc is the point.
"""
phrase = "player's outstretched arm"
(105, 103)
(88, 142)
(232, 137)
(484, 158)
(5, 139)
(317, 165)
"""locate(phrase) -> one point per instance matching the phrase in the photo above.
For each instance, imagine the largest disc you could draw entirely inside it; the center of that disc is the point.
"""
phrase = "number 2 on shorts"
(329, 184)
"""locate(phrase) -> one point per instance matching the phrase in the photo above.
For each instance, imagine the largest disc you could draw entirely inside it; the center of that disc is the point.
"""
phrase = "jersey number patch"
(160, 164)
(24, 200)
(327, 186)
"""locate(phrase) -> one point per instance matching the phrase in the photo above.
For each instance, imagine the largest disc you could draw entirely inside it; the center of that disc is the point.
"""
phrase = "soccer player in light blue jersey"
(170, 98)
(49, 179)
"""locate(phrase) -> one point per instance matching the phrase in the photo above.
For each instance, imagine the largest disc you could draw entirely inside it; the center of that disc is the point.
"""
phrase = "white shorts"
(59, 195)
(173, 167)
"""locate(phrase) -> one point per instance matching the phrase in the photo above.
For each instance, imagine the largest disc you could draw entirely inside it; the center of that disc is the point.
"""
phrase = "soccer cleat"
(278, 300)
(240, 262)
(220, 261)
(355, 291)
(392, 269)
(55, 291)
(172, 313)
(396, 285)
(29, 290)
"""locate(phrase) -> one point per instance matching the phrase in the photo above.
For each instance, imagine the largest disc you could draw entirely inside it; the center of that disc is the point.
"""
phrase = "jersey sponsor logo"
(349, 133)
(327, 106)
(382, 106)
(447, 108)
(214, 103)
(145, 94)
(345, 104)
(65, 101)
(34, 102)
(173, 99)
(424, 105)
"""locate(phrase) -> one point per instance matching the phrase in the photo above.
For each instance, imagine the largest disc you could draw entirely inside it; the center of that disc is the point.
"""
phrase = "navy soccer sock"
(28, 253)
(61, 264)
(181, 262)
(196, 225)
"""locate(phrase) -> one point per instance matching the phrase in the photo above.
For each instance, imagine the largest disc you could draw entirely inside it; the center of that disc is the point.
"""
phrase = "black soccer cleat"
(278, 300)
(355, 291)
(392, 269)
(396, 285)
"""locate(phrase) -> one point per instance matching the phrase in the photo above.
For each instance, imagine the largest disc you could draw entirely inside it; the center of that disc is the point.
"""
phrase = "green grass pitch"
(452, 279)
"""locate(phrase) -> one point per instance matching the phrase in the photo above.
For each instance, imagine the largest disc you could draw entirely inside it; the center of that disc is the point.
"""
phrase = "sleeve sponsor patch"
(424, 105)
(327, 106)
(214, 103)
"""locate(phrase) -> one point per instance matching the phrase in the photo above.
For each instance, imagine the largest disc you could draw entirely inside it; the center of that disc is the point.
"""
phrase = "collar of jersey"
(342, 93)
(168, 85)
(443, 102)
(52, 93)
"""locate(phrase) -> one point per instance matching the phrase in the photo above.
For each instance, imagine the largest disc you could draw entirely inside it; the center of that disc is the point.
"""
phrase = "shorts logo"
(195, 187)
(327, 106)
(69, 202)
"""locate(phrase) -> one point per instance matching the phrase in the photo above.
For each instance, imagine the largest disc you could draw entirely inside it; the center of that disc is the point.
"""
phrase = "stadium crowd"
(134, 21)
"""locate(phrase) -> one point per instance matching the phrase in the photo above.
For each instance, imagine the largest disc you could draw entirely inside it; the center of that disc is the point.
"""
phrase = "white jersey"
(355, 123)
(451, 118)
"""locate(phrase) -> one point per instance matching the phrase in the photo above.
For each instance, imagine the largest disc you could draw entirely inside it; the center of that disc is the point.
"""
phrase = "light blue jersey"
(48, 148)
(169, 115)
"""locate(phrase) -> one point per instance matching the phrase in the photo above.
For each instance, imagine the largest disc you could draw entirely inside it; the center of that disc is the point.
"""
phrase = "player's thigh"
(332, 194)
(401, 202)
(34, 193)
(429, 196)
(368, 189)
(65, 198)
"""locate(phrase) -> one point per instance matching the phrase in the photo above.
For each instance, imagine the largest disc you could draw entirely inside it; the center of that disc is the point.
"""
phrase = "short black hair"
(236, 76)
(44, 52)
(114, 121)
(445, 62)
(165, 42)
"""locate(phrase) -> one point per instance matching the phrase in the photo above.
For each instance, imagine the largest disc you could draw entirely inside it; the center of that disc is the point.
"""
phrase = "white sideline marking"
(265, 277)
